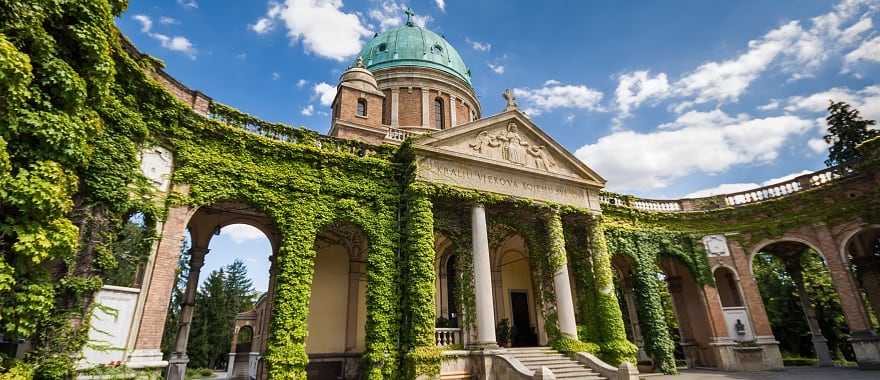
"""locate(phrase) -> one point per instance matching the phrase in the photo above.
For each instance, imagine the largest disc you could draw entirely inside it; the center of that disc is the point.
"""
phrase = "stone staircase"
(562, 366)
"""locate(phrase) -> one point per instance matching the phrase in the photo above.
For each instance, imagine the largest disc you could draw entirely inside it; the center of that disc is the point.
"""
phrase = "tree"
(846, 130)
(224, 293)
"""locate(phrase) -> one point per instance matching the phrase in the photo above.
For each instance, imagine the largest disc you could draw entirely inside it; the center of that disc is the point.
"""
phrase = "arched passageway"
(213, 289)
(863, 252)
(337, 305)
(801, 302)
(695, 328)
(515, 310)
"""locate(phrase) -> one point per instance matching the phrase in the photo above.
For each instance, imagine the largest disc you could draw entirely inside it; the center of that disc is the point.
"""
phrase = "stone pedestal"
(867, 348)
(176, 366)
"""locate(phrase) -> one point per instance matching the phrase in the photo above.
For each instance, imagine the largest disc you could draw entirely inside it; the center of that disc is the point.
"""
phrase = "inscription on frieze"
(503, 182)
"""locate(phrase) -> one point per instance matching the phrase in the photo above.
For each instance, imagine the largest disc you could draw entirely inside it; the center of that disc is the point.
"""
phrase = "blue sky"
(662, 98)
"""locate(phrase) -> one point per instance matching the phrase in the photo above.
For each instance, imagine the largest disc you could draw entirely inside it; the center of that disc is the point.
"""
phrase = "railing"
(397, 134)
(444, 336)
(794, 185)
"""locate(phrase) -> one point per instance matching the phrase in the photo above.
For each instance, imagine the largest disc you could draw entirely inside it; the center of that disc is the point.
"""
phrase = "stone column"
(820, 344)
(630, 299)
(395, 108)
(485, 315)
(355, 276)
(452, 109)
(561, 282)
(177, 362)
(426, 108)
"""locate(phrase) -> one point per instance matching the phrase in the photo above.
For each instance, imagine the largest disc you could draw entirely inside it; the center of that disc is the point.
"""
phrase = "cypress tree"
(846, 130)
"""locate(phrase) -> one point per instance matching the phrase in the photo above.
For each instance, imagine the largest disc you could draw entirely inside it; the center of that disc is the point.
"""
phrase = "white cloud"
(325, 93)
(498, 69)
(165, 20)
(276, 76)
(552, 82)
(796, 48)
(176, 43)
(773, 104)
(321, 25)
(715, 117)
(308, 110)
(191, 4)
(866, 100)
(728, 188)
(638, 161)
(441, 4)
(868, 51)
(266, 23)
(477, 45)
(558, 95)
(300, 83)
(146, 22)
(569, 118)
(637, 87)
(818, 145)
(390, 14)
(240, 233)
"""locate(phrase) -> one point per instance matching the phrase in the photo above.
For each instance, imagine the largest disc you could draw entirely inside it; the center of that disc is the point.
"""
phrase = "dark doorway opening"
(522, 333)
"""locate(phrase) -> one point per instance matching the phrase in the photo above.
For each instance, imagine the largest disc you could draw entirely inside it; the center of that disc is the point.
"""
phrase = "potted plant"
(502, 332)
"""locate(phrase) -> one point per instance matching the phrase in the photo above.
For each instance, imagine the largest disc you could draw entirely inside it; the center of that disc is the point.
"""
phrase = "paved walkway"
(796, 373)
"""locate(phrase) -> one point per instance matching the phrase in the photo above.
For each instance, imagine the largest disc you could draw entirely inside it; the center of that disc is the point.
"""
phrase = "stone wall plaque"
(157, 164)
(716, 245)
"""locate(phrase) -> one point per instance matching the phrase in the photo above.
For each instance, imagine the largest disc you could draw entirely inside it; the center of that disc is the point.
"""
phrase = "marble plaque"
(156, 164)
(498, 180)
(716, 245)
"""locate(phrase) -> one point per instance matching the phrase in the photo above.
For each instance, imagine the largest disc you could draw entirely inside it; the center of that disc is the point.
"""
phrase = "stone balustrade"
(447, 336)
(397, 134)
(794, 185)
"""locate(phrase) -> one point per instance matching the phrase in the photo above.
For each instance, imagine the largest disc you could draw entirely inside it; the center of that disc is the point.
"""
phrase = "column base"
(820, 345)
(866, 345)
(483, 346)
(145, 358)
(177, 366)
(747, 356)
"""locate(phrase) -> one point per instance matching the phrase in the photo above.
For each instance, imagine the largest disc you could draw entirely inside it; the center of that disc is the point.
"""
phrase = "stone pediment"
(507, 154)
(511, 140)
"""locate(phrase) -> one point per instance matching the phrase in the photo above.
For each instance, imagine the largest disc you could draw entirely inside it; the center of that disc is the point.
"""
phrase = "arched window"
(438, 113)
(362, 107)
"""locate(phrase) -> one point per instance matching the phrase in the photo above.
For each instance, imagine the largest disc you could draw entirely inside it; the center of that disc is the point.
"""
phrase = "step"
(456, 376)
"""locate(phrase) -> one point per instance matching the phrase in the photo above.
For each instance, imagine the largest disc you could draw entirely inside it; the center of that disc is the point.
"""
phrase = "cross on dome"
(409, 14)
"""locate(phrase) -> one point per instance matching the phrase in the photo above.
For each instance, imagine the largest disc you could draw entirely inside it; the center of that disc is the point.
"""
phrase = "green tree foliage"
(846, 130)
(780, 296)
(225, 293)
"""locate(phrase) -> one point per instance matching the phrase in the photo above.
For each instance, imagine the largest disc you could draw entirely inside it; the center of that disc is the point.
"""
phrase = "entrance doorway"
(522, 334)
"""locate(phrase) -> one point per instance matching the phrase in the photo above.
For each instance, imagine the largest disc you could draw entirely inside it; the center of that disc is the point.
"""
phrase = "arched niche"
(726, 281)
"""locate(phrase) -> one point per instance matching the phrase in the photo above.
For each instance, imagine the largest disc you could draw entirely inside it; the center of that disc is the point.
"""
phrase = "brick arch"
(808, 242)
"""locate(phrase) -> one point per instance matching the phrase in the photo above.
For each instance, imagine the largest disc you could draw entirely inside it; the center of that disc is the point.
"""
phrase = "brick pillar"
(715, 313)
(844, 283)
(751, 294)
(157, 290)
(864, 340)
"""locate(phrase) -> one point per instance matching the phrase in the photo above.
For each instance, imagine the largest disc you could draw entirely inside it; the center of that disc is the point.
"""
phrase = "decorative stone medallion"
(157, 164)
(716, 245)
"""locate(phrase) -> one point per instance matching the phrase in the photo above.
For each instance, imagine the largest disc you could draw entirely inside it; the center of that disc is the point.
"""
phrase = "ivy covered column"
(614, 346)
(422, 355)
(561, 283)
(658, 342)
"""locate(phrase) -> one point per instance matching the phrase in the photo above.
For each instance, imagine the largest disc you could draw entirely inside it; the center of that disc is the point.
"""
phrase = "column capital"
(197, 257)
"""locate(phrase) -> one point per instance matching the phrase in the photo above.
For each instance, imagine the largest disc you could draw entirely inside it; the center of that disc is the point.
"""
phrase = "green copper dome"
(413, 46)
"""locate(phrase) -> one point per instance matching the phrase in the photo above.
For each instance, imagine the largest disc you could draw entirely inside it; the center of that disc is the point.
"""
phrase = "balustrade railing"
(445, 336)
(794, 185)
(397, 134)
